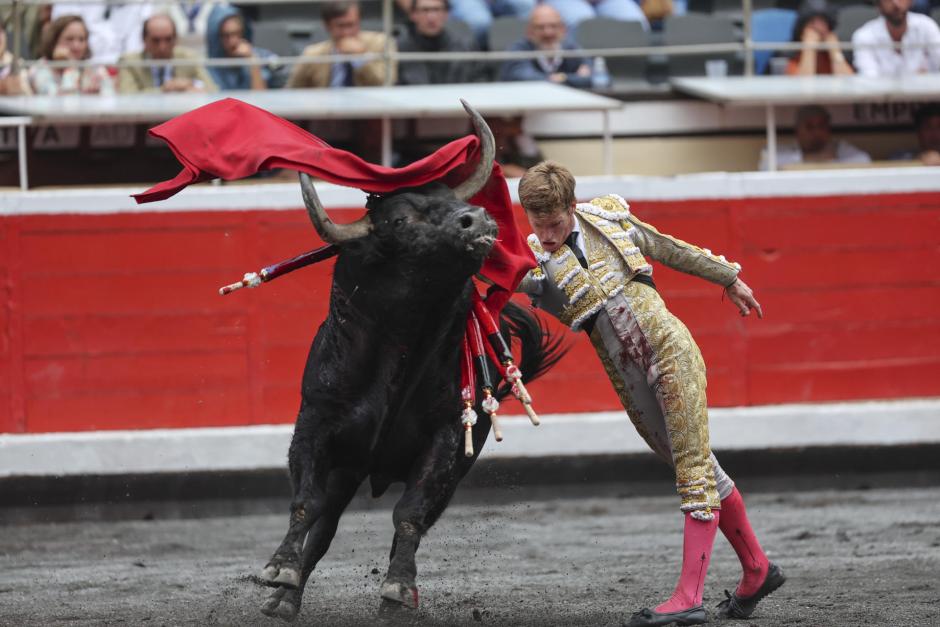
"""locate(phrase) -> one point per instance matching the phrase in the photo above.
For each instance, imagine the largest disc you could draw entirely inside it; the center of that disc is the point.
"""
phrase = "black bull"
(380, 392)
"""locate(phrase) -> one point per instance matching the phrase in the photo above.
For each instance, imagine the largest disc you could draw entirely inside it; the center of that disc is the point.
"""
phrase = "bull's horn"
(329, 231)
(478, 179)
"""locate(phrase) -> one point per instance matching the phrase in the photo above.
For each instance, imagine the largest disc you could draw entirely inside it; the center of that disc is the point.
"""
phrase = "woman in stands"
(228, 36)
(816, 25)
(67, 40)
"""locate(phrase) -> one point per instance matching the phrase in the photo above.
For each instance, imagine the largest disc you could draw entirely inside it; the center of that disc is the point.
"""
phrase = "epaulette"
(540, 255)
(605, 207)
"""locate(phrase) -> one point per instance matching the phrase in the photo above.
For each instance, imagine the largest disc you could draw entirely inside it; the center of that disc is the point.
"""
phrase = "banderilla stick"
(269, 273)
(467, 385)
(490, 404)
(508, 370)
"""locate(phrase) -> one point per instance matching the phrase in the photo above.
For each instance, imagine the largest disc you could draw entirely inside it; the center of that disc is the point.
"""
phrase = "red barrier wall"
(113, 321)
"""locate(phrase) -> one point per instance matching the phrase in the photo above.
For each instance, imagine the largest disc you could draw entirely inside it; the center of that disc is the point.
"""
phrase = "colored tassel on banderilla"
(474, 352)
(504, 363)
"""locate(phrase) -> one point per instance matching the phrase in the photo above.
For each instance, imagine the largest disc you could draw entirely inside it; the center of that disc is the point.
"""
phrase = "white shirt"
(109, 38)
(888, 60)
(789, 155)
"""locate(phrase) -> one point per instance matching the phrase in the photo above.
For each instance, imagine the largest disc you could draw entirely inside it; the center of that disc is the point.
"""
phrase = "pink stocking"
(736, 527)
(696, 552)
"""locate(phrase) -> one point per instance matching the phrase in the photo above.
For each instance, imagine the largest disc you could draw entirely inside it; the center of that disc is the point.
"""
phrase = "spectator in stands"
(114, 29)
(516, 150)
(573, 12)
(342, 23)
(909, 42)
(34, 18)
(814, 143)
(192, 21)
(12, 82)
(428, 32)
(159, 37)
(816, 25)
(479, 14)
(228, 37)
(66, 39)
(927, 127)
(546, 32)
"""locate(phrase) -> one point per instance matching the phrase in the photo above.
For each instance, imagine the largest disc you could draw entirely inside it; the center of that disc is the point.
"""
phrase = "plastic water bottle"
(600, 77)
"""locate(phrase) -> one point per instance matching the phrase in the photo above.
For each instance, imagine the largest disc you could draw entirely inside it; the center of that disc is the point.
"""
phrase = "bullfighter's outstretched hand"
(743, 298)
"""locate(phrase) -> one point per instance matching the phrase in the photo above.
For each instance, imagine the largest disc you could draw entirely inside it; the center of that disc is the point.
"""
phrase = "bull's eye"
(398, 222)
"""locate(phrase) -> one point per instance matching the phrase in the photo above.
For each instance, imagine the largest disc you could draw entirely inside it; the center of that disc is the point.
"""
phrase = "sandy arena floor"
(868, 557)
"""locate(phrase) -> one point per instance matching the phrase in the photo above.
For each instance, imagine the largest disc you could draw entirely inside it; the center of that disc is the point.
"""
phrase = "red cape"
(230, 139)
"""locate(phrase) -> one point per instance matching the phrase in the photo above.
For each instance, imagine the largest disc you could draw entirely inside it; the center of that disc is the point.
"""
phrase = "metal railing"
(747, 47)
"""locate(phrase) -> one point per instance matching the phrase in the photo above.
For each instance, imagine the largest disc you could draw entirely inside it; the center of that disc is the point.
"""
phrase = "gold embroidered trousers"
(659, 375)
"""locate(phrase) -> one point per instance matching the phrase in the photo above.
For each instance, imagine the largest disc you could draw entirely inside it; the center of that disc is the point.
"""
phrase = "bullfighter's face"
(552, 228)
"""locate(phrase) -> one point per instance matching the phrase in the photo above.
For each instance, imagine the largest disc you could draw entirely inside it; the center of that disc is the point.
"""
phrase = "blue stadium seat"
(770, 26)
(602, 32)
(699, 29)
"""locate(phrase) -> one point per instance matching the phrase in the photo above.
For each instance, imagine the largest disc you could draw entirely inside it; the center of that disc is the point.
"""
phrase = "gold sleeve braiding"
(683, 256)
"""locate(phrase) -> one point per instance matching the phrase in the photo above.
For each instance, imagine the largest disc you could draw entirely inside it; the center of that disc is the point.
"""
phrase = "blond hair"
(546, 187)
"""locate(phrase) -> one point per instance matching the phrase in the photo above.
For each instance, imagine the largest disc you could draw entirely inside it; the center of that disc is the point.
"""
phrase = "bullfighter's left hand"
(743, 298)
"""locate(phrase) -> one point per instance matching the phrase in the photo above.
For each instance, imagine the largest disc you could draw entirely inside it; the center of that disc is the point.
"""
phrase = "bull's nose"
(471, 218)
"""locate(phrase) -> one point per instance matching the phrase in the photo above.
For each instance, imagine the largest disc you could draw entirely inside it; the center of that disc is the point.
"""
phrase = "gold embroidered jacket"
(615, 243)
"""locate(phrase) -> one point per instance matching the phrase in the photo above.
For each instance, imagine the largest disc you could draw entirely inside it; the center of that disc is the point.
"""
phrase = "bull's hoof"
(395, 613)
(283, 603)
(281, 574)
(400, 593)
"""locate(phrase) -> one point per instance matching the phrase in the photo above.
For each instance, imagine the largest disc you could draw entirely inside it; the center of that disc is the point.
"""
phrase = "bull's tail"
(539, 349)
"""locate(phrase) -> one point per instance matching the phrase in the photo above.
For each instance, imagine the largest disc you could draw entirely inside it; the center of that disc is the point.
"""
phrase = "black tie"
(570, 243)
(350, 80)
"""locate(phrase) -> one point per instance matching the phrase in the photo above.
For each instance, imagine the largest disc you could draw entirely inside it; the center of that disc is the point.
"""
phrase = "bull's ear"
(328, 230)
(466, 190)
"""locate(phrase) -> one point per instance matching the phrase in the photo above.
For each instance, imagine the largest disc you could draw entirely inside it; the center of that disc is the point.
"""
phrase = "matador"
(593, 276)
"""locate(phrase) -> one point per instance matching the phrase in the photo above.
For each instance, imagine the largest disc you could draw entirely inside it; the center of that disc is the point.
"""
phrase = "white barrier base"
(912, 421)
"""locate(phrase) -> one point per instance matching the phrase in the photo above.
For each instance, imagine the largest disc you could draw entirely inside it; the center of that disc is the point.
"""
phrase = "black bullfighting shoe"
(742, 607)
(649, 618)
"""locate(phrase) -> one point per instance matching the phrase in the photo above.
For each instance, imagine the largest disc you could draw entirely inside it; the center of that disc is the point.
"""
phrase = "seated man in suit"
(342, 23)
(546, 32)
(159, 35)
